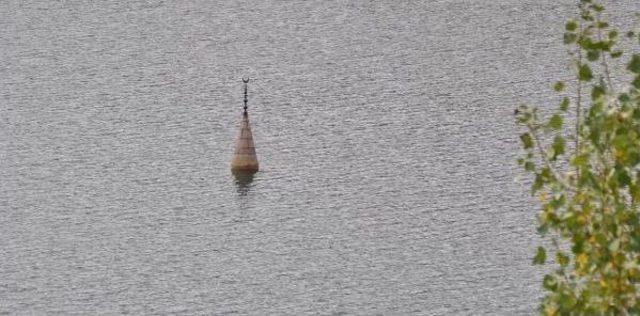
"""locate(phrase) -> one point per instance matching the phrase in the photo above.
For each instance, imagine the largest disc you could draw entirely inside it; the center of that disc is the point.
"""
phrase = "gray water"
(384, 132)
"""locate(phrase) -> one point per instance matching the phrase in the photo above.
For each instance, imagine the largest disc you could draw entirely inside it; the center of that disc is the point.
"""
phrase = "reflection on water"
(243, 182)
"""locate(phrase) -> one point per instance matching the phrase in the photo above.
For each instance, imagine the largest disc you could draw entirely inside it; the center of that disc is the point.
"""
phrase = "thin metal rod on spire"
(245, 94)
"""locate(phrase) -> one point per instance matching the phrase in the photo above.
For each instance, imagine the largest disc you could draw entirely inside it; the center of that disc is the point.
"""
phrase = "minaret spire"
(245, 160)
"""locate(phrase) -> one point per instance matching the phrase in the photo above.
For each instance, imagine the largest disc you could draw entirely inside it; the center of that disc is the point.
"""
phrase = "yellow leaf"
(581, 219)
(550, 310)
(582, 259)
(618, 154)
(543, 197)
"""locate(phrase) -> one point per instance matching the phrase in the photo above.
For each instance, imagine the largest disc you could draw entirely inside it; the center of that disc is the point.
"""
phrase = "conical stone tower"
(245, 160)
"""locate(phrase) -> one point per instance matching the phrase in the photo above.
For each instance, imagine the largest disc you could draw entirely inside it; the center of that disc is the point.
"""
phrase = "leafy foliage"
(585, 163)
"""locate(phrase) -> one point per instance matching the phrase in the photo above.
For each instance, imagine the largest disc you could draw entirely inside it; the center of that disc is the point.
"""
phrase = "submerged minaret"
(244, 159)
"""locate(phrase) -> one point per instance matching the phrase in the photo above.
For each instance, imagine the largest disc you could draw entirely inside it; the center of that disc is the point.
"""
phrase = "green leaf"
(620, 141)
(624, 98)
(567, 303)
(634, 190)
(558, 86)
(559, 202)
(636, 82)
(562, 259)
(558, 145)
(523, 114)
(584, 73)
(633, 156)
(570, 38)
(555, 122)
(587, 43)
(527, 140)
(578, 246)
(623, 178)
(540, 257)
(549, 283)
(593, 55)
(542, 229)
(597, 92)
(616, 54)
(564, 105)
(601, 238)
(571, 25)
(634, 64)
(529, 166)
(537, 184)
(545, 173)
(613, 34)
(579, 160)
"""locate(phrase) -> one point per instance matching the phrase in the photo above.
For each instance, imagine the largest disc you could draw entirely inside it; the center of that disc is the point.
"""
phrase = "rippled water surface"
(384, 132)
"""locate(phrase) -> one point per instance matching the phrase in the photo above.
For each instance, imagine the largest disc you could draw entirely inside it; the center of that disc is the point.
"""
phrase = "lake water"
(384, 132)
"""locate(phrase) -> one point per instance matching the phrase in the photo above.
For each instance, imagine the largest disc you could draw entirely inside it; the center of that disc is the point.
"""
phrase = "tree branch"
(603, 56)
(546, 160)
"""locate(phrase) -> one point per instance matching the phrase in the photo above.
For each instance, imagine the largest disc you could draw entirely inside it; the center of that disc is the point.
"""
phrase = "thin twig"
(578, 100)
(603, 56)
